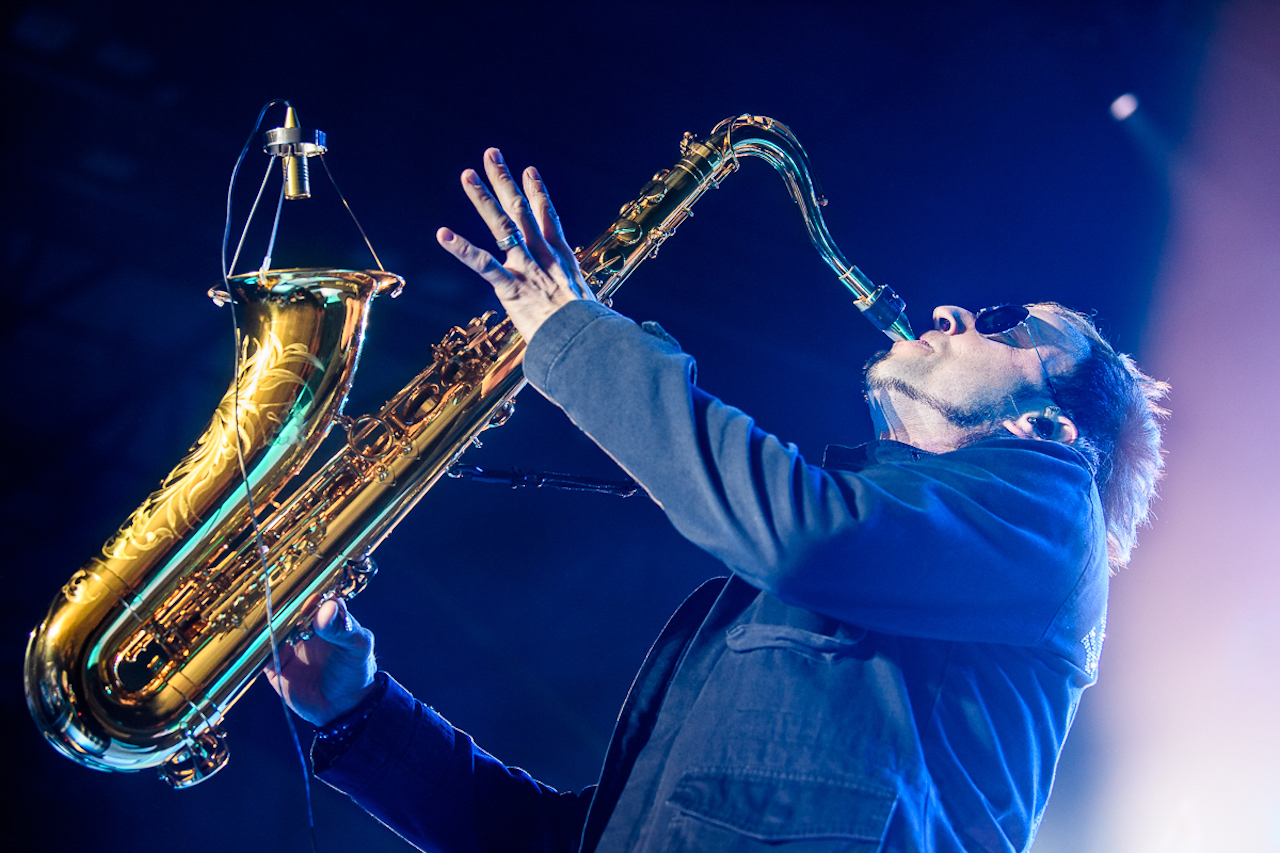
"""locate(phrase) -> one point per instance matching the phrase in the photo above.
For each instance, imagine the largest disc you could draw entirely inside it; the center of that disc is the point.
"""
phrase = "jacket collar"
(838, 458)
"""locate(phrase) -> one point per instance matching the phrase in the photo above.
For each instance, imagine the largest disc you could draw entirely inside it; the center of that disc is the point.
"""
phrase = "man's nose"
(952, 319)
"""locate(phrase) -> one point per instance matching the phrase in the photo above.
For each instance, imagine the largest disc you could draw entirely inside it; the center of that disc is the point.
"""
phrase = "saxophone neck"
(666, 201)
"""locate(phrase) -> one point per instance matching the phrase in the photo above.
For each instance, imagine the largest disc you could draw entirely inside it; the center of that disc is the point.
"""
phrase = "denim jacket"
(893, 664)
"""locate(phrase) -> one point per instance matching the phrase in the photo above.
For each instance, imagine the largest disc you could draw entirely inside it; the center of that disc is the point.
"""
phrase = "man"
(898, 655)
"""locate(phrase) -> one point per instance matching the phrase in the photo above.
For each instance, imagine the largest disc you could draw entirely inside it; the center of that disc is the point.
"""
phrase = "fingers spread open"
(517, 207)
(501, 226)
(537, 276)
(476, 258)
(549, 224)
(544, 212)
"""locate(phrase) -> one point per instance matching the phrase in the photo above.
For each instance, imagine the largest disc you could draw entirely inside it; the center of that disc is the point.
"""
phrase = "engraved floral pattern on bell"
(83, 587)
(174, 509)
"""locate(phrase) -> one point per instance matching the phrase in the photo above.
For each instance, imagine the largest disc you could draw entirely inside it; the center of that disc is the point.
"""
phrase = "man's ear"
(1047, 424)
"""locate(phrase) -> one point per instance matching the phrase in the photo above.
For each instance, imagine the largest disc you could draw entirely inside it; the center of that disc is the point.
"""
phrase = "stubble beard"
(967, 418)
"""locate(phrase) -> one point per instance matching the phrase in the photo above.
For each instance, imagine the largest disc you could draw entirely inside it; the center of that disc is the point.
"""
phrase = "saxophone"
(149, 644)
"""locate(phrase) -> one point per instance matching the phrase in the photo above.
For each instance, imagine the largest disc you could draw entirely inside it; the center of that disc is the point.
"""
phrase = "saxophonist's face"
(971, 379)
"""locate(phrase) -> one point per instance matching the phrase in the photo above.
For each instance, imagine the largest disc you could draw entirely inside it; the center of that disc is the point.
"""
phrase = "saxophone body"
(149, 644)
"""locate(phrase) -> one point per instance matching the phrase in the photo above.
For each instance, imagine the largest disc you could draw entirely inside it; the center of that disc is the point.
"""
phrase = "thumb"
(335, 624)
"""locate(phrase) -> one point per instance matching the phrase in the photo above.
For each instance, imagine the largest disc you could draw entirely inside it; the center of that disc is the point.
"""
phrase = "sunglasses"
(1008, 325)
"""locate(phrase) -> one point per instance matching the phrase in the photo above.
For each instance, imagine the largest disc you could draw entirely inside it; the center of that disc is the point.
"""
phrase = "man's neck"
(918, 425)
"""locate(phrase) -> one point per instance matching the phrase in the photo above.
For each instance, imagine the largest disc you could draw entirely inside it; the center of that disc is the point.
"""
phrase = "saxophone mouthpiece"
(293, 145)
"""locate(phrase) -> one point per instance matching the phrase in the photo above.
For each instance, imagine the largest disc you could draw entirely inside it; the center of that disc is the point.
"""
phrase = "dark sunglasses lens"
(993, 321)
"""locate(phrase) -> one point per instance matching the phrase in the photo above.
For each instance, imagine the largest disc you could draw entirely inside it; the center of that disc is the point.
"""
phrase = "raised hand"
(329, 674)
(540, 273)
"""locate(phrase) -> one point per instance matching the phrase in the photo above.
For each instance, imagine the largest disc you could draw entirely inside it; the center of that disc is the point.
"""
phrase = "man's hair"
(1116, 409)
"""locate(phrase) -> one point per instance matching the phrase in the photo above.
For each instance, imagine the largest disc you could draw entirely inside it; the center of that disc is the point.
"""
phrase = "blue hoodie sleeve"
(983, 544)
(430, 783)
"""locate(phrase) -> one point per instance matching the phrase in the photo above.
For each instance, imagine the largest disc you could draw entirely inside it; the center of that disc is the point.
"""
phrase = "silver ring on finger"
(510, 241)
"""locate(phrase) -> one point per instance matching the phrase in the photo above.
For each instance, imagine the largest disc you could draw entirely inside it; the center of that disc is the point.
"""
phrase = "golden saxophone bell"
(146, 645)
(150, 643)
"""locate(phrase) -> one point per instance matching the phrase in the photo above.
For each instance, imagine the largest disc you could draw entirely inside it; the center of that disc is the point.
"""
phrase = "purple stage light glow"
(1188, 699)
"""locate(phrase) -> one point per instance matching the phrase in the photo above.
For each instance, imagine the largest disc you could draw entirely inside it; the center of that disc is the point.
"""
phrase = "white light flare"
(1124, 106)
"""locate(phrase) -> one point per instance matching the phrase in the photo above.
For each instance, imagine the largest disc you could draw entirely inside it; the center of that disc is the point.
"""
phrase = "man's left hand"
(540, 273)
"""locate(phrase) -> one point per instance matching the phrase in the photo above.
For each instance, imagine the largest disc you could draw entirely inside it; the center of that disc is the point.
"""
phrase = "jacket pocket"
(820, 647)
(745, 812)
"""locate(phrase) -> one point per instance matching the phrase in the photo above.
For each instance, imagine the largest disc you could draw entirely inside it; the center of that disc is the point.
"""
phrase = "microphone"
(293, 145)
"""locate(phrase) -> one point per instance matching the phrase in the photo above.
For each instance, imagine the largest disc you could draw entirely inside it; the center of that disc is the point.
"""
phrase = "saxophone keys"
(627, 231)
(370, 436)
(502, 415)
(355, 577)
(653, 192)
(612, 260)
(205, 753)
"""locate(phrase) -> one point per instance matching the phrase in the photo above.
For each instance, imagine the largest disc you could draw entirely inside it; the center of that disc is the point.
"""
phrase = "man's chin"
(877, 372)
(874, 362)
